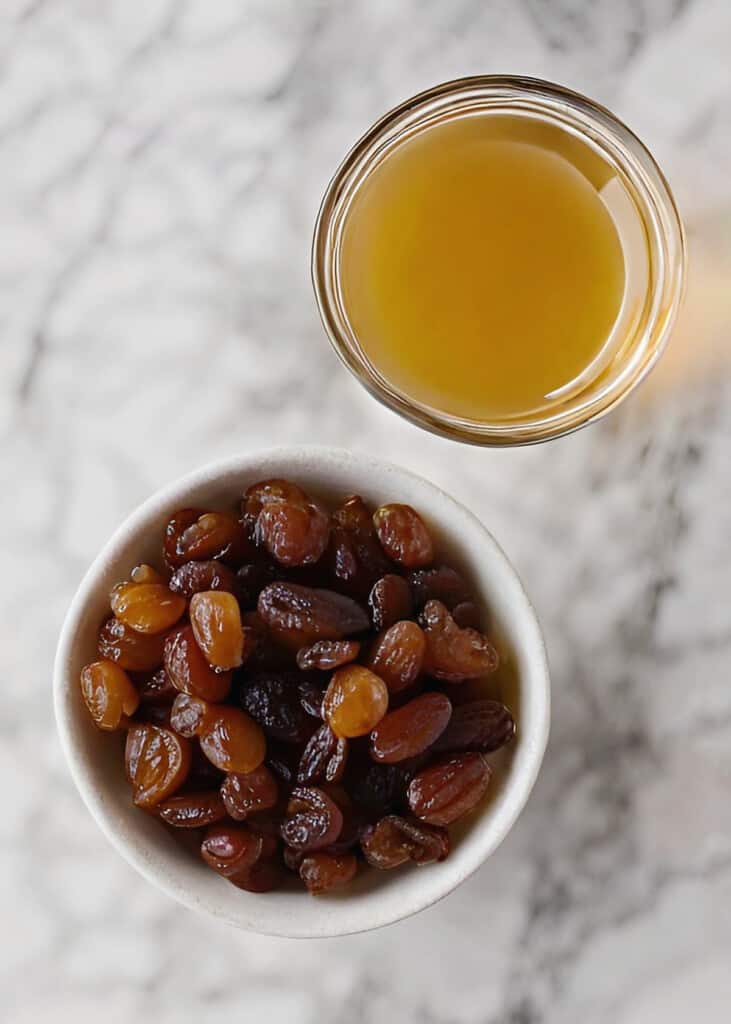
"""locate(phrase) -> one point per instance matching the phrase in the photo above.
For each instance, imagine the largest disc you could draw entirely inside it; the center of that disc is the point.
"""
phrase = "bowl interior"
(376, 898)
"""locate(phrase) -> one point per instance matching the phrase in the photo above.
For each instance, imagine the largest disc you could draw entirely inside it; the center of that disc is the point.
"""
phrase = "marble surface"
(161, 168)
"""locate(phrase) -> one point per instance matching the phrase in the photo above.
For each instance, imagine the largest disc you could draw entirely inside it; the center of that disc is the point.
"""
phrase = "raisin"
(397, 655)
(292, 859)
(188, 669)
(157, 763)
(216, 622)
(154, 714)
(411, 729)
(484, 725)
(263, 877)
(324, 757)
(298, 615)
(203, 775)
(327, 655)
(232, 741)
(245, 794)
(322, 872)
(453, 654)
(293, 527)
(449, 788)
(310, 695)
(272, 699)
(313, 819)
(157, 688)
(132, 651)
(356, 557)
(355, 701)
(109, 694)
(467, 615)
(195, 577)
(144, 573)
(193, 810)
(196, 536)
(251, 580)
(403, 535)
(230, 849)
(188, 714)
(283, 760)
(395, 840)
(146, 607)
(442, 583)
(389, 601)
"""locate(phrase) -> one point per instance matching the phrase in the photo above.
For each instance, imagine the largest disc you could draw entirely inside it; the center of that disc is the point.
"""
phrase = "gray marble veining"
(161, 168)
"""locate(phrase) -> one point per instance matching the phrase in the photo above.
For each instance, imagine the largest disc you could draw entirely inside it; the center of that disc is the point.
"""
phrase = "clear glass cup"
(648, 212)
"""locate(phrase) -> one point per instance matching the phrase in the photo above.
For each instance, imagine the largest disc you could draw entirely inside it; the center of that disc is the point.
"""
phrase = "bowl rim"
(516, 793)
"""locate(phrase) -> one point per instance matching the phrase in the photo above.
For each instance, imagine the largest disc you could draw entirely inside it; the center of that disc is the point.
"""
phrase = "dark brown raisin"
(195, 577)
(298, 616)
(244, 795)
(395, 840)
(389, 601)
(327, 655)
(443, 583)
(397, 655)
(356, 556)
(132, 651)
(484, 725)
(157, 688)
(403, 535)
(467, 615)
(311, 693)
(453, 654)
(322, 872)
(449, 788)
(324, 757)
(251, 580)
(293, 527)
(313, 819)
(229, 849)
(193, 810)
(188, 669)
(411, 729)
(273, 700)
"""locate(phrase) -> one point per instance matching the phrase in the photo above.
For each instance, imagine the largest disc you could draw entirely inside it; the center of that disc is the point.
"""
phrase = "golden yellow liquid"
(480, 268)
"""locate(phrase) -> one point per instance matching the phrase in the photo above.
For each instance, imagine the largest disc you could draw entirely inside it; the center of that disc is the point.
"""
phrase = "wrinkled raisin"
(292, 526)
(251, 580)
(355, 701)
(313, 819)
(157, 688)
(327, 655)
(273, 700)
(356, 556)
(195, 577)
(324, 757)
(310, 695)
(229, 849)
(188, 714)
(322, 872)
(216, 622)
(484, 725)
(397, 655)
(132, 651)
(298, 615)
(157, 763)
(109, 694)
(449, 788)
(246, 794)
(193, 810)
(453, 654)
(389, 601)
(395, 840)
(232, 740)
(379, 788)
(146, 607)
(443, 583)
(403, 535)
(410, 729)
(196, 536)
(188, 669)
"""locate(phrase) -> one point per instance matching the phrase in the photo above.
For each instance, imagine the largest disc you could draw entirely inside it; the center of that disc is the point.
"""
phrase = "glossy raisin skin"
(313, 820)
(273, 700)
(193, 535)
(356, 556)
(327, 655)
(188, 669)
(453, 654)
(484, 725)
(157, 762)
(188, 715)
(132, 651)
(216, 622)
(109, 694)
(299, 615)
(324, 757)
(355, 701)
(293, 527)
(232, 740)
(156, 688)
(395, 840)
(195, 577)
(403, 535)
(247, 794)
(397, 656)
(231, 849)
(411, 729)
(194, 810)
(449, 788)
(389, 601)
(442, 583)
(322, 872)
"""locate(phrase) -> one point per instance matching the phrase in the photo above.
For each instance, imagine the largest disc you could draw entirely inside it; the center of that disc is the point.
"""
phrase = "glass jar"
(648, 213)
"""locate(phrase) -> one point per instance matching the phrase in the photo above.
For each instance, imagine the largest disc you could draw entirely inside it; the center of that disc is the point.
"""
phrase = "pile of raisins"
(292, 685)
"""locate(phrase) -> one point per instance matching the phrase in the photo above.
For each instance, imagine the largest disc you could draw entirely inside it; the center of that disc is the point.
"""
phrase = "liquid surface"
(480, 269)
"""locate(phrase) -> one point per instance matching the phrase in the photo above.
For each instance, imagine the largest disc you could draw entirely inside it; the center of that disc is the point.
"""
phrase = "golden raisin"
(147, 607)
(109, 694)
(157, 763)
(132, 651)
(144, 573)
(216, 622)
(232, 740)
(355, 701)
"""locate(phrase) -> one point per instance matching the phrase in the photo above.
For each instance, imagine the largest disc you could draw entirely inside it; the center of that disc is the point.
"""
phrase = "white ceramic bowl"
(375, 898)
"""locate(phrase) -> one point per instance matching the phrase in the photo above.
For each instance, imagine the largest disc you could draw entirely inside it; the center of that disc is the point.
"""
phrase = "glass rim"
(603, 132)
